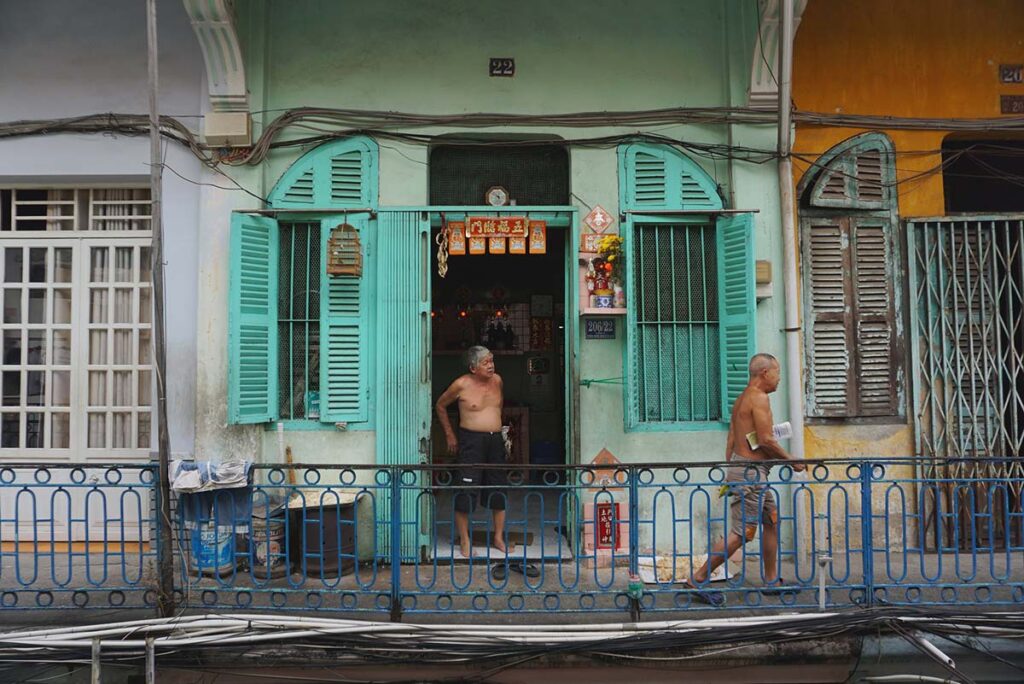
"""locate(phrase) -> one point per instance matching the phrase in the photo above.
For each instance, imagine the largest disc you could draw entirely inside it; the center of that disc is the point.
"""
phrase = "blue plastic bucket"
(213, 550)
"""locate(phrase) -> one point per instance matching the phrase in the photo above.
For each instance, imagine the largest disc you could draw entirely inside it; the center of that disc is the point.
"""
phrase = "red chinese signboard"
(607, 515)
(496, 226)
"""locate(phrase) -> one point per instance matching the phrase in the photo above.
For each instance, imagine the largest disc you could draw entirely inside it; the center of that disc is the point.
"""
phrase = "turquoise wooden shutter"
(658, 177)
(252, 320)
(403, 358)
(630, 387)
(345, 317)
(736, 304)
(654, 178)
(339, 174)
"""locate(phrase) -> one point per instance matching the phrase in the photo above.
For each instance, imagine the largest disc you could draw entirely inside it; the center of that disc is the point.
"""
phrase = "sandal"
(715, 599)
(498, 572)
(528, 569)
(776, 588)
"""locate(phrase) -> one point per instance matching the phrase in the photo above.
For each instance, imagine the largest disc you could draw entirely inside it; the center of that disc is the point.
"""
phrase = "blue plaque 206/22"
(600, 329)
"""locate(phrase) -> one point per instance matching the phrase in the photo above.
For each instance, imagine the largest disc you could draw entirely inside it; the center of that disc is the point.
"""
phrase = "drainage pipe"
(794, 388)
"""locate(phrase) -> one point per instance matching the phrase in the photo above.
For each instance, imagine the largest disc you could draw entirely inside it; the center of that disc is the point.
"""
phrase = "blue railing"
(78, 536)
(372, 539)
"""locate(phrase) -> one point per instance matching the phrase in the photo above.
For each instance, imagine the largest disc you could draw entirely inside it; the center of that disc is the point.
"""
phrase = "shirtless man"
(479, 441)
(753, 501)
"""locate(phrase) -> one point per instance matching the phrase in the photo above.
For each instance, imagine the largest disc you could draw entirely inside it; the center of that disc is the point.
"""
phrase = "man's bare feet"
(499, 544)
(467, 549)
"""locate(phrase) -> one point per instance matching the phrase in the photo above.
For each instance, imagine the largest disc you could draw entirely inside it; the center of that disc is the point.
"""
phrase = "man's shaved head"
(759, 363)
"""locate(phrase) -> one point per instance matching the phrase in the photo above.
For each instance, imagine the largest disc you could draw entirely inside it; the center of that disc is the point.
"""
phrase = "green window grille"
(298, 342)
(677, 325)
(298, 321)
(534, 175)
(298, 338)
(691, 318)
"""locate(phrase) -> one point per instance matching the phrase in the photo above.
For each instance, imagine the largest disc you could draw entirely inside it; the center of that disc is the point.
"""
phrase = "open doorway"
(515, 305)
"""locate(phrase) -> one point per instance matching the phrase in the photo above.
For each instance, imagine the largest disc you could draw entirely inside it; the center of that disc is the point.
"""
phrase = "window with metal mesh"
(298, 317)
(676, 358)
(534, 175)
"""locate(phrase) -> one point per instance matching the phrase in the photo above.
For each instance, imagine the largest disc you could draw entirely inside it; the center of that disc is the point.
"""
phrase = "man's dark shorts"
(475, 449)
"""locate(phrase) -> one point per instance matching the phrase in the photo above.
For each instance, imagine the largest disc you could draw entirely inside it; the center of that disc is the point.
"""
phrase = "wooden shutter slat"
(649, 180)
(868, 174)
(834, 187)
(343, 332)
(347, 178)
(829, 365)
(661, 178)
(855, 175)
(339, 174)
(252, 320)
(301, 190)
(875, 319)
(737, 312)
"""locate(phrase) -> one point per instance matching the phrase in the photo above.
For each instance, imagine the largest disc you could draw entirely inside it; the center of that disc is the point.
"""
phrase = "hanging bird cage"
(344, 254)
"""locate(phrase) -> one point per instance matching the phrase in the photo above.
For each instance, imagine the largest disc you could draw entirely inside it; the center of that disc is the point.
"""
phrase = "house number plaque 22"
(502, 66)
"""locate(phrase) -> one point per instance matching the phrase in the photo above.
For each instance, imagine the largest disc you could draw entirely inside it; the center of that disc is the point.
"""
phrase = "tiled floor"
(531, 515)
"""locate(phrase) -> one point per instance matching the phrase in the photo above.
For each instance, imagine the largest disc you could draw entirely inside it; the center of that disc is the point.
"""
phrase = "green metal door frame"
(563, 218)
(403, 358)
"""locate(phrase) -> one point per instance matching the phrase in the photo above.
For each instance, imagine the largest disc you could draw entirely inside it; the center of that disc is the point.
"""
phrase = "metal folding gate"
(967, 322)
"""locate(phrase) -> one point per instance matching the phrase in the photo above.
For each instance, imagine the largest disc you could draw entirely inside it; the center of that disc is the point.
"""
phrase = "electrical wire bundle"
(327, 123)
(282, 640)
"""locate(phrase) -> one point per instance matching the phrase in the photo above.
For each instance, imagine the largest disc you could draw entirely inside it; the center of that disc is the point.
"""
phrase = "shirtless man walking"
(753, 502)
(479, 441)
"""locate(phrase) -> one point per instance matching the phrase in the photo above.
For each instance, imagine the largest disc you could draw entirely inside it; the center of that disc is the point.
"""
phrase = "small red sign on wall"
(607, 513)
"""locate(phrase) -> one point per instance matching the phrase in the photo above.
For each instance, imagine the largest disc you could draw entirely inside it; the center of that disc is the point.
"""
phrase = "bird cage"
(344, 254)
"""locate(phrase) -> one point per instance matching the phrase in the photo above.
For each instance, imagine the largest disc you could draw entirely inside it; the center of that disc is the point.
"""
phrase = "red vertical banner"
(538, 237)
(456, 238)
(478, 245)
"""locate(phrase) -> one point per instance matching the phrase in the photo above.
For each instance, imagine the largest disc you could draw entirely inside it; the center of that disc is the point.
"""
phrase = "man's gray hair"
(760, 363)
(474, 355)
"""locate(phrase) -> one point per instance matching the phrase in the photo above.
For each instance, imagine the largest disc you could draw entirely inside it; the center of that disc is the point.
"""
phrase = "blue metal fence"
(586, 540)
(78, 536)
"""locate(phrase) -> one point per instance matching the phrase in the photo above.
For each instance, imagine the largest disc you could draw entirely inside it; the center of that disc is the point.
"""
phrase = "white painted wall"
(63, 58)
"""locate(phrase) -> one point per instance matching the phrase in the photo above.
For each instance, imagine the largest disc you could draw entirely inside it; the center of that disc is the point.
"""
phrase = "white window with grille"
(76, 373)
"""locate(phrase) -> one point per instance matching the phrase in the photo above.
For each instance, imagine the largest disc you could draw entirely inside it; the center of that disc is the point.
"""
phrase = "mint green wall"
(430, 56)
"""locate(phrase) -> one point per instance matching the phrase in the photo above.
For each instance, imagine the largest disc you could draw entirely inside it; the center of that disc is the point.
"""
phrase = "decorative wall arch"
(660, 177)
(854, 365)
(336, 175)
(858, 173)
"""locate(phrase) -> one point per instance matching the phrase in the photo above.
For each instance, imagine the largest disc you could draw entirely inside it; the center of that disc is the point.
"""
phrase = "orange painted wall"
(913, 58)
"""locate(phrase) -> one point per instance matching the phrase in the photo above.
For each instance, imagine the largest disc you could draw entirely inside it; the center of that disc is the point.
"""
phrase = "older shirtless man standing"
(479, 441)
(753, 503)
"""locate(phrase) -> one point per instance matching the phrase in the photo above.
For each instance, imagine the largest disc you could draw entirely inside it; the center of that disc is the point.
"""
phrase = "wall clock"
(496, 196)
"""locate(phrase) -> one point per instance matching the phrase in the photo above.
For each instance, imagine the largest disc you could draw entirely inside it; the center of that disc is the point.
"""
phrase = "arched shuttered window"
(690, 289)
(850, 265)
(297, 340)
